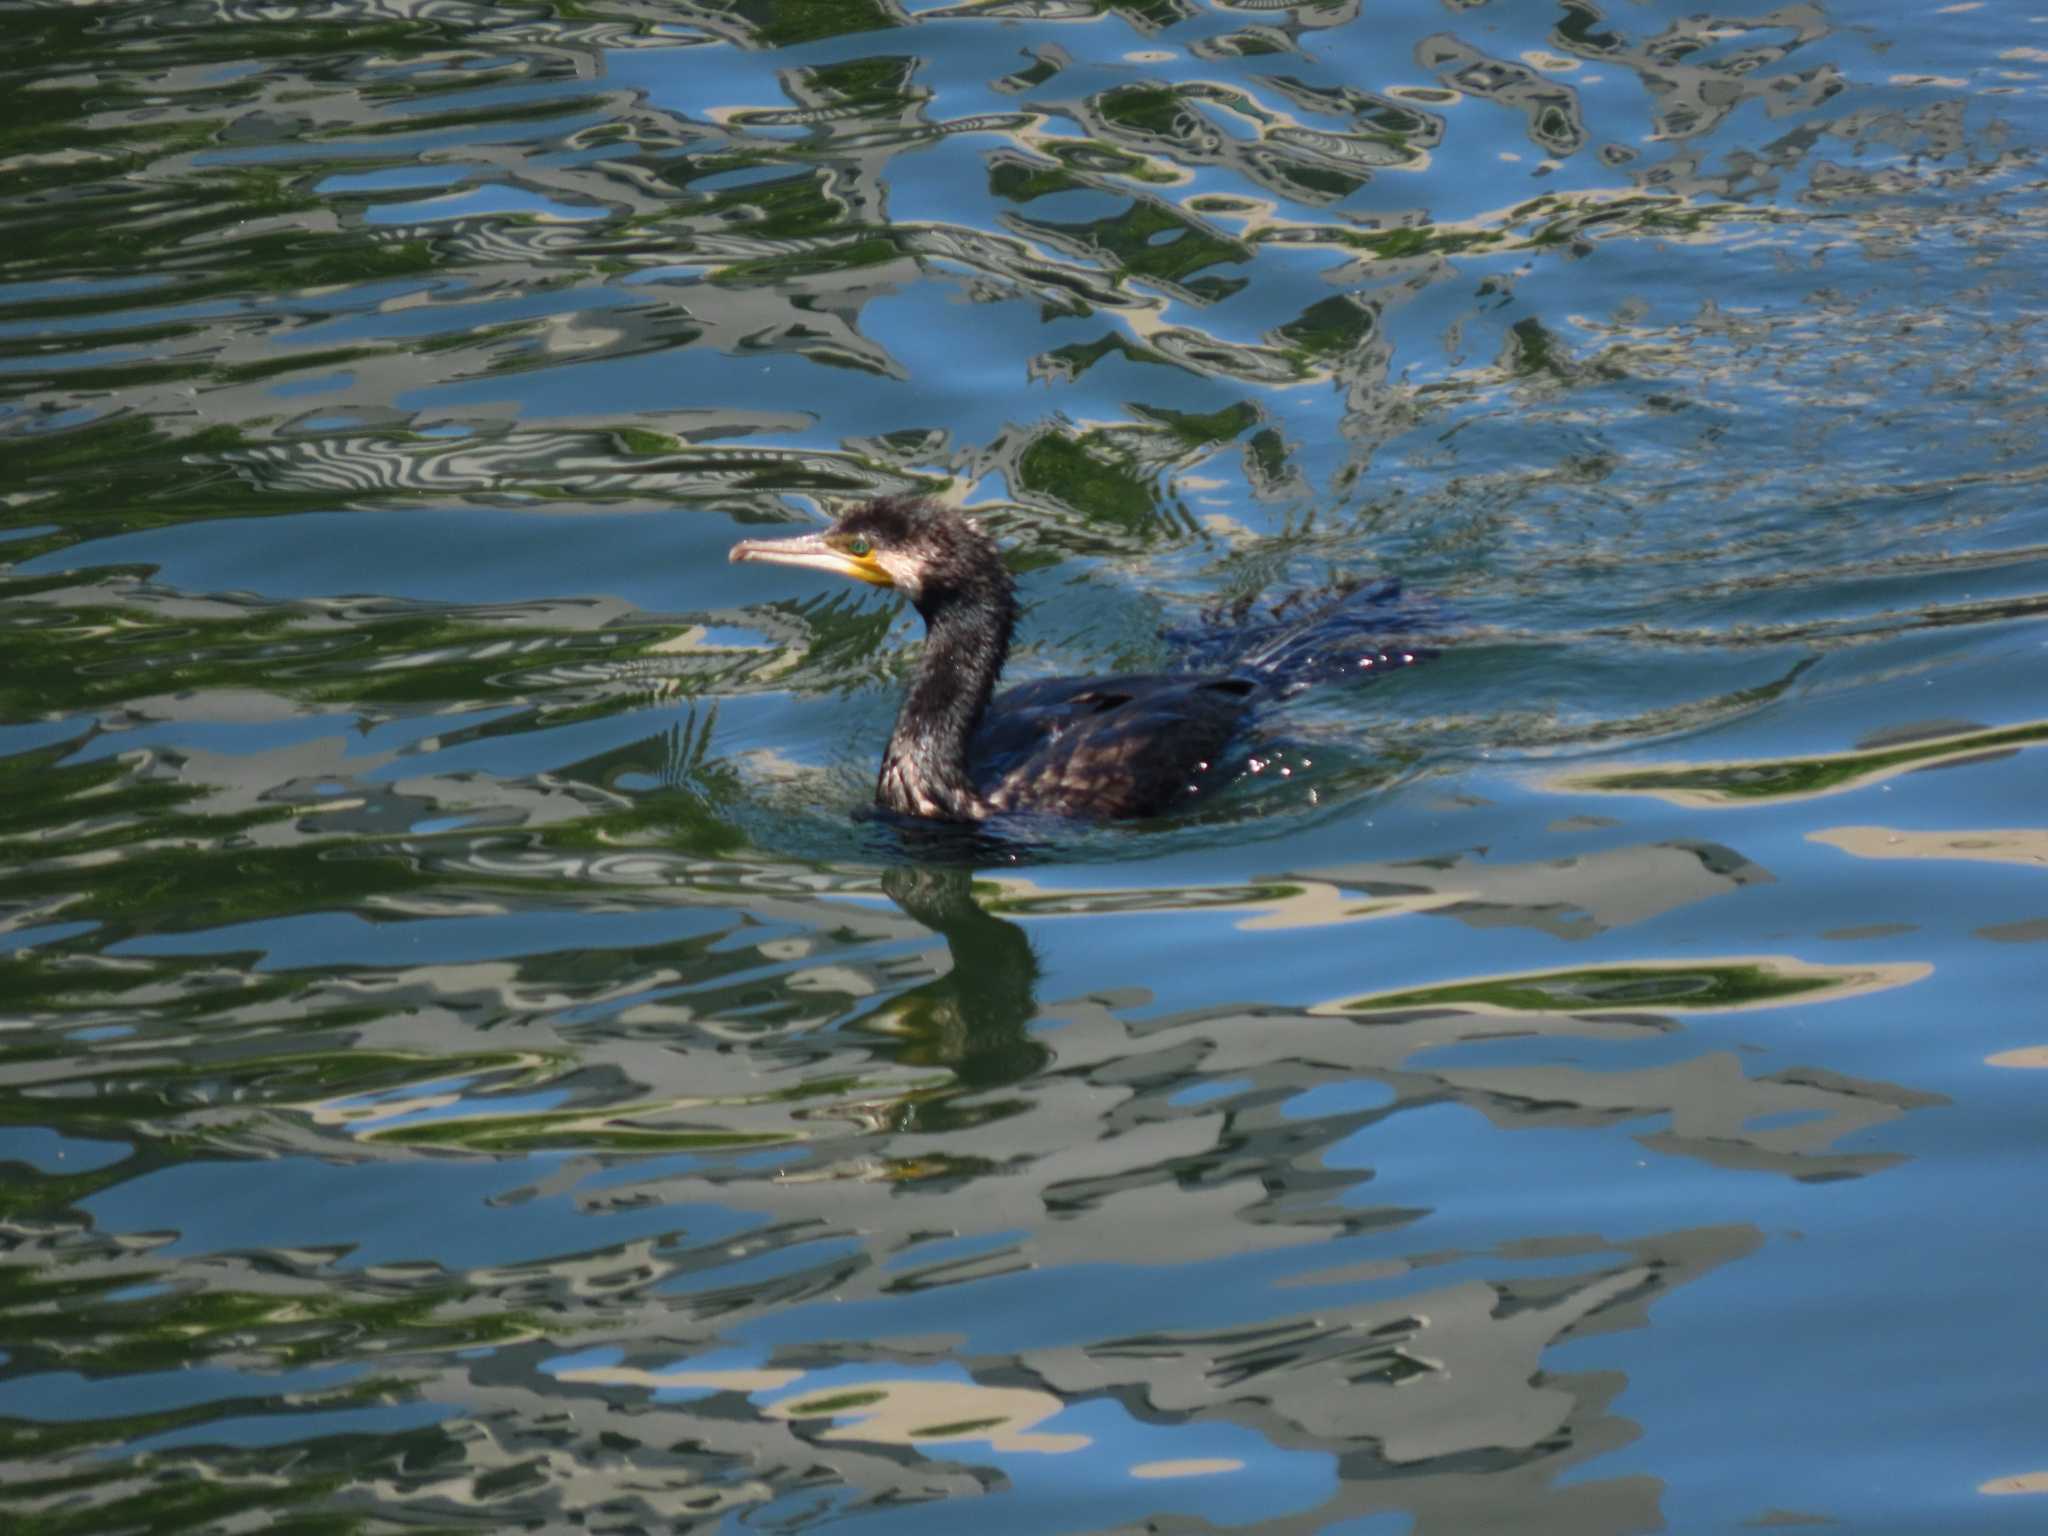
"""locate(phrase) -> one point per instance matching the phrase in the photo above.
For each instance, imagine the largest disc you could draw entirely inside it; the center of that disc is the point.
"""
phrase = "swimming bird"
(1097, 747)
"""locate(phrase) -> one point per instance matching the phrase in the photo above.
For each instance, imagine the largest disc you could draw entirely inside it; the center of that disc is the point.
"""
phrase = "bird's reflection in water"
(976, 1019)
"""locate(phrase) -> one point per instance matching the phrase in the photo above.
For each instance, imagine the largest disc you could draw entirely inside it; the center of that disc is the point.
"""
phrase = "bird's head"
(931, 554)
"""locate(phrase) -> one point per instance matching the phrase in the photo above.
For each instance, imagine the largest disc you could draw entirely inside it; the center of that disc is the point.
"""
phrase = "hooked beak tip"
(809, 552)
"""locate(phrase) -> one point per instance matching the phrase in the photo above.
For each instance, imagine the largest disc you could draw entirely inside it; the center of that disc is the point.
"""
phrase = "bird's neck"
(925, 768)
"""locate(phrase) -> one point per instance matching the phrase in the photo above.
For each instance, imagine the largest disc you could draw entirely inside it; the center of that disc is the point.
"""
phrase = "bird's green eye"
(859, 547)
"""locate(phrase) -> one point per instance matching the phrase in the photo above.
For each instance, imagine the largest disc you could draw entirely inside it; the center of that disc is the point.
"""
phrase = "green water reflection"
(466, 1063)
(1709, 784)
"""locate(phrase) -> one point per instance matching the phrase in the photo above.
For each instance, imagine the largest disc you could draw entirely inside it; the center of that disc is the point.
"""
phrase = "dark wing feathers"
(1121, 746)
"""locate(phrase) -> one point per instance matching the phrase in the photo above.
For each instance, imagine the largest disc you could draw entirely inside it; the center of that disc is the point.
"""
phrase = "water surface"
(468, 1064)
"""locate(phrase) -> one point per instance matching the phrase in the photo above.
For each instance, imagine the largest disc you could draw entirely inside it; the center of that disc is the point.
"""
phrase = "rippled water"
(468, 1065)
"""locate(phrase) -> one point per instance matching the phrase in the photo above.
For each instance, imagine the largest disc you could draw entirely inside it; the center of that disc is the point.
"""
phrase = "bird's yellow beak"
(819, 552)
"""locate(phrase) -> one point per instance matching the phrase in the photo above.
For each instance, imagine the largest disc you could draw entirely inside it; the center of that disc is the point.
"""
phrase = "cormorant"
(1098, 747)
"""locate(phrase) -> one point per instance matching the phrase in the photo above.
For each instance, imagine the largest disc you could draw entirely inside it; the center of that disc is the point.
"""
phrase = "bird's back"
(1143, 744)
(1134, 745)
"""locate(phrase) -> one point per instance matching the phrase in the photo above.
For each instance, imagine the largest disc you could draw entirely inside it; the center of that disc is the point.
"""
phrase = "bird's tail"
(1310, 636)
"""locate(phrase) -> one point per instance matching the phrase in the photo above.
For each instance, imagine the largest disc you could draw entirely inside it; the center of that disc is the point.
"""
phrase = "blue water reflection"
(469, 1058)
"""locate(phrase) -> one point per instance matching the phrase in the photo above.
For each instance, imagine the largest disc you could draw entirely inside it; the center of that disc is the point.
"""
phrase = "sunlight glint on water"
(466, 1058)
